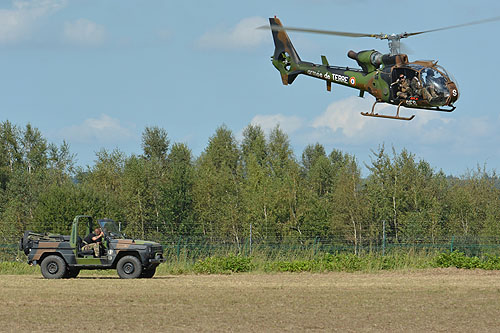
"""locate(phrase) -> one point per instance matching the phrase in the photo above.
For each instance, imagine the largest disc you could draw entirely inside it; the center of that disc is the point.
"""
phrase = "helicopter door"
(396, 85)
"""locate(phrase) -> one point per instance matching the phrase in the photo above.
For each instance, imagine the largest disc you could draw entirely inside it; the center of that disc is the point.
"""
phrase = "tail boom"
(285, 58)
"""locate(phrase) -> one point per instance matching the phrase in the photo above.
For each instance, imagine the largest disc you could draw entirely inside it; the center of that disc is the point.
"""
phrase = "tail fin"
(285, 58)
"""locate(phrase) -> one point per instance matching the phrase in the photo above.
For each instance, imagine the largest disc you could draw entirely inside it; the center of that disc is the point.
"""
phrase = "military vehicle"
(61, 256)
(385, 76)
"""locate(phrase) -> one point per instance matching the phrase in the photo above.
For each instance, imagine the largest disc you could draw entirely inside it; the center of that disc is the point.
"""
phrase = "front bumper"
(158, 259)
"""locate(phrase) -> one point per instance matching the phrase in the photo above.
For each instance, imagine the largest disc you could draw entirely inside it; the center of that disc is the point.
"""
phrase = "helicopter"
(391, 78)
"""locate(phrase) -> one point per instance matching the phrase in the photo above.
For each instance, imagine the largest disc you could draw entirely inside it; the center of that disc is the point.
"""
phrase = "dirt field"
(429, 300)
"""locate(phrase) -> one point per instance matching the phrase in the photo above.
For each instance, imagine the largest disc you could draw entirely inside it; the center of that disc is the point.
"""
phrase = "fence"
(192, 249)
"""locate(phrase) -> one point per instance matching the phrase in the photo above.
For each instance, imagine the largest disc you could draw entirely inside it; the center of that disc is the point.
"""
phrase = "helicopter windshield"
(450, 77)
(435, 83)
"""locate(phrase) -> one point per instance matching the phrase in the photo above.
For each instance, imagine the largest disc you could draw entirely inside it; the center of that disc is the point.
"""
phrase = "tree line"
(165, 192)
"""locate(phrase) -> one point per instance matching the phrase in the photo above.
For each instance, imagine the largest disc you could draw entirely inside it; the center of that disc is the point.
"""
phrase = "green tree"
(105, 178)
(254, 144)
(178, 192)
(34, 149)
(319, 177)
(61, 162)
(155, 143)
(59, 203)
(285, 184)
(348, 202)
(11, 155)
(216, 190)
(473, 202)
(137, 197)
(256, 182)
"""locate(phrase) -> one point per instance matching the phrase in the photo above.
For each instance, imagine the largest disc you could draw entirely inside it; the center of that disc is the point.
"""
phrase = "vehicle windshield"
(435, 83)
(111, 229)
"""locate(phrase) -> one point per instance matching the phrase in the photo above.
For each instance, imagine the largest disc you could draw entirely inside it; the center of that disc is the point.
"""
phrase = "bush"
(295, 266)
(491, 262)
(342, 262)
(223, 265)
(460, 260)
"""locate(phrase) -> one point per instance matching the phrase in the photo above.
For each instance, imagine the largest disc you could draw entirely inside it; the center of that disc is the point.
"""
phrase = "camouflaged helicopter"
(390, 78)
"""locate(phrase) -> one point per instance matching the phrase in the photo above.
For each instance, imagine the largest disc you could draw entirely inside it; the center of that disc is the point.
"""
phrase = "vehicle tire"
(129, 267)
(148, 273)
(71, 273)
(53, 267)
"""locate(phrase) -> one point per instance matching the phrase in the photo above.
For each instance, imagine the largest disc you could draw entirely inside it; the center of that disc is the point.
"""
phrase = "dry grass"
(427, 300)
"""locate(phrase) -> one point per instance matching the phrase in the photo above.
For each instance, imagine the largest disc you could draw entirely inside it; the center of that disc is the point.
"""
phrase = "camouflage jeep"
(61, 256)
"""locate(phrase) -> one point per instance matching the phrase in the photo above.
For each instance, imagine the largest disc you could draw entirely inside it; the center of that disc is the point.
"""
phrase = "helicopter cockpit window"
(450, 77)
(435, 83)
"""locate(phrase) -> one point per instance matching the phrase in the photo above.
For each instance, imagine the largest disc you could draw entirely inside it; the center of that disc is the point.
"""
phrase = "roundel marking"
(352, 80)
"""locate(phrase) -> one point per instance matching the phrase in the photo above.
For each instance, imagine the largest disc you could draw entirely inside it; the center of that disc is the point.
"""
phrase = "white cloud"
(17, 22)
(84, 32)
(243, 35)
(104, 129)
(288, 124)
(344, 116)
(343, 119)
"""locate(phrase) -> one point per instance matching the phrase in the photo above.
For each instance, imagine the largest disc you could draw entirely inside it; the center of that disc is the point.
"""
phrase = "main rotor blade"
(496, 18)
(317, 31)
(379, 36)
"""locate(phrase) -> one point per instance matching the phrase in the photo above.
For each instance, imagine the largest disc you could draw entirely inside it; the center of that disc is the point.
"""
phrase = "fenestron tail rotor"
(393, 39)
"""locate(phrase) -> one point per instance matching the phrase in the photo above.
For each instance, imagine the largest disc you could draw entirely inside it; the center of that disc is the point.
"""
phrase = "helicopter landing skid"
(437, 108)
(373, 114)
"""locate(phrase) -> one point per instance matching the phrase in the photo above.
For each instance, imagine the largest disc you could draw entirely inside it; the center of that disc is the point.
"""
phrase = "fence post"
(250, 239)
(178, 250)
(315, 246)
(383, 237)
(451, 245)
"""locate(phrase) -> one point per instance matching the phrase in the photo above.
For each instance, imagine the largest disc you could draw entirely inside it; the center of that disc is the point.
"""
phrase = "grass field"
(422, 300)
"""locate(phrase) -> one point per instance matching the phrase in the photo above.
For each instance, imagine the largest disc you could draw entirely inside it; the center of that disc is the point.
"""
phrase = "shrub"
(295, 266)
(460, 260)
(342, 262)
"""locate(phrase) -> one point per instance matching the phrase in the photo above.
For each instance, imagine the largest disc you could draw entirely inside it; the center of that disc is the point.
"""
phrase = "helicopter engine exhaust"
(371, 60)
(368, 60)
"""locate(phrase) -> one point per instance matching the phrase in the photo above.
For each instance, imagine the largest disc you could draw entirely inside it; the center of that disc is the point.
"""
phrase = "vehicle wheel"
(148, 273)
(71, 273)
(129, 267)
(53, 267)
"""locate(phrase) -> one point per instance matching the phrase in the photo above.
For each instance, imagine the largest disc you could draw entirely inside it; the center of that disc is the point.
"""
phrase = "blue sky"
(96, 73)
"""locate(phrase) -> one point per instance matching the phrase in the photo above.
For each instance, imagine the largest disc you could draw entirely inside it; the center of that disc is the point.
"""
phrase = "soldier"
(404, 87)
(416, 85)
(421, 91)
(418, 89)
(92, 241)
